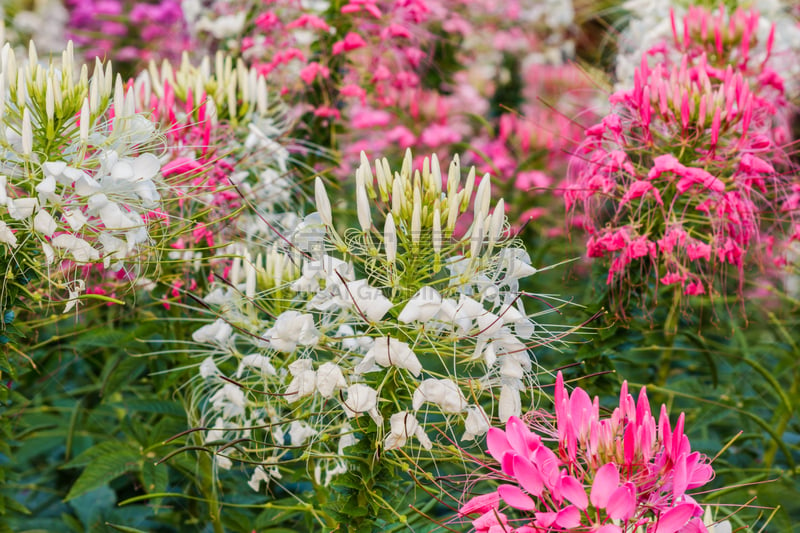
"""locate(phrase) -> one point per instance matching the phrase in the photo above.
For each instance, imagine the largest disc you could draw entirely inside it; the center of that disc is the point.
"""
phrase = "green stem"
(670, 330)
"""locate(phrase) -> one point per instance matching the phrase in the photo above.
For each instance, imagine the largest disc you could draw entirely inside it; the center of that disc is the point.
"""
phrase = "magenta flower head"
(682, 183)
(619, 474)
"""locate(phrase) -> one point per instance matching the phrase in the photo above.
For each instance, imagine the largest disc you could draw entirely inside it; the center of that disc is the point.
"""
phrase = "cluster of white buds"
(227, 145)
(414, 317)
(78, 173)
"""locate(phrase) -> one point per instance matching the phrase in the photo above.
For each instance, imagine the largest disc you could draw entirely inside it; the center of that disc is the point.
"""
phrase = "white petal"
(44, 223)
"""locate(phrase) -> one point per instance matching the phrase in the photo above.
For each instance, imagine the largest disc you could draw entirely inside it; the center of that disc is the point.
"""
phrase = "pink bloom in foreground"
(618, 474)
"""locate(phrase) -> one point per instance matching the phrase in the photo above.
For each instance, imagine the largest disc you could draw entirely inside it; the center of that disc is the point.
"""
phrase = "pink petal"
(497, 443)
(674, 519)
(606, 481)
(574, 491)
(528, 476)
(480, 504)
(569, 517)
(514, 497)
(622, 503)
(519, 436)
(608, 528)
(545, 519)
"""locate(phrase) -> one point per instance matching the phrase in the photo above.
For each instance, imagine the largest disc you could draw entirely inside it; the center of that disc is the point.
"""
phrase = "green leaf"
(154, 477)
(109, 447)
(124, 529)
(103, 469)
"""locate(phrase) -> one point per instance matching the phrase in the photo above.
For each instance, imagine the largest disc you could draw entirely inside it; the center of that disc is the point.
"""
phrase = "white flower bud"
(390, 239)
(322, 202)
(366, 173)
(496, 223)
(397, 198)
(49, 99)
(436, 176)
(468, 186)
(416, 216)
(437, 228)
(362, 202)
(27, 133)
(85, 118)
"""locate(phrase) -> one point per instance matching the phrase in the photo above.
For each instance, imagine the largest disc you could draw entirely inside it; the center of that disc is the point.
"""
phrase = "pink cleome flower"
(619, 474)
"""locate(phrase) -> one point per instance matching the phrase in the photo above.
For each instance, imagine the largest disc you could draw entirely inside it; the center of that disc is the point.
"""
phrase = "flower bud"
(362, 201)
(27, 133)
(322, 202)
(390, 239)
(437, 228)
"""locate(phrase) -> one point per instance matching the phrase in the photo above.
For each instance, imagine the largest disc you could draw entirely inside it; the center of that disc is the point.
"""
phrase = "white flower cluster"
(243, 130)
(77, 178)
(418, 323)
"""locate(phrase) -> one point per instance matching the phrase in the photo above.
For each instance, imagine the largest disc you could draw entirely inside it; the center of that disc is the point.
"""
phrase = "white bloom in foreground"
(329, 379)
(403, 425)
(208, 368)
(304, 382)
(44, 223)
(230, 400)
(6, 235)
(20, 208)
(300, 432)
(442, 392)
(82, 251)
(422, 307)
(75, 289)
(290, 329)
(369, 301)
(476, 423)
(362, 399)
(258, 362)
(510, 403)
(392, 352)
(218, 332)
(261, 474)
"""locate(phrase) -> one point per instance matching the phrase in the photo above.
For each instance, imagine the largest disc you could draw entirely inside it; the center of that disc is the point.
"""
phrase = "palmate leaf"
(104, 462)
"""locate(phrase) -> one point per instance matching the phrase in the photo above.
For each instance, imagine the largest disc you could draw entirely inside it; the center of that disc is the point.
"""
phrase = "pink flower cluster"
(684, 177)
(612, 475)
(127, 31)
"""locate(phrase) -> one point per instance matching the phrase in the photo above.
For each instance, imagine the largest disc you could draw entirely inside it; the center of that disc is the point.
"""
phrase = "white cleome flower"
(442, 392)
(7, 236)
(304, 382)
(369, 301)
(423, 306)
(82, 251)
(261, 474)
(300, 432)
(329, 379)
(362, 399)
(218, 332)
(476, 423)
(391, 352)
(258, 362)
(292, 328)
(403, 425)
